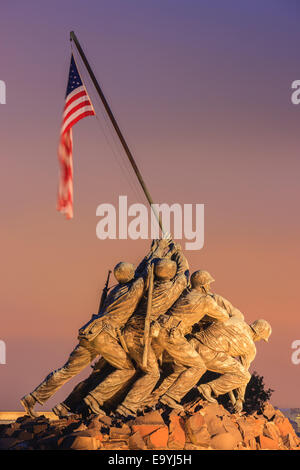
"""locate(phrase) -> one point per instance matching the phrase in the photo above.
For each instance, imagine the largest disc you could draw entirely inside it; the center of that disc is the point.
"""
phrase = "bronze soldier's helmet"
(200, 278)
(124, 272)
(262, 328)
(165, 268)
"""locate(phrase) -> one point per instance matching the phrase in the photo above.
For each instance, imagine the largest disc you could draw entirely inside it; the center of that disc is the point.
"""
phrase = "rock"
(95, 424)
(119, 433)
(279, 414)
(258, 424)
(267, 444)
(7, 442)
(194, 423)
(145, 429)
(104, 420)
(90, 433)
(196, 430)
(153, 417)
(284, 426)
(252, 444)
(250, 427)
(23, 435)
(47, 443)
(247, 429)
(81, 427)
(241, 446)
(214, 409)
(231, 427)
(214, 424)
(176, 432)
(25, 419)
(116, 445)
(76, 442)
(201, 437)
(8, 431)
(289, 441)
(190, 446)
(224, 441)
(212, 427)
(39, 428)
(268, 411)
(270, 430)
(136, 442)
(158, 439)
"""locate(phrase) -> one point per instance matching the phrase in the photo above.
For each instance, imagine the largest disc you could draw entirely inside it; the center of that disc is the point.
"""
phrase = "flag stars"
(74, 78)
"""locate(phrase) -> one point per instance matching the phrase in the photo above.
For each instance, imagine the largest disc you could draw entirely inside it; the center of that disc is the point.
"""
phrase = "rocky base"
(205, 426)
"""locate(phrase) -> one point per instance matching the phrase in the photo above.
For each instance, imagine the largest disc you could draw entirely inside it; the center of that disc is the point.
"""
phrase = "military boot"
(28, 402)
(205, 391)
(171, 403)
(93, 405)
(125, 412)
(61, 410)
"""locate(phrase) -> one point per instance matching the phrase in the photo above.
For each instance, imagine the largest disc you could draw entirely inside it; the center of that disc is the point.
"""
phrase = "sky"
(202, 92)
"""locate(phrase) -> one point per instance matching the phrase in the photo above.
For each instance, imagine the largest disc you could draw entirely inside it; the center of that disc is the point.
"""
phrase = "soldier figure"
(189, 309)
(203, 279)
(219, 345)
(100, 336)
(170, 279)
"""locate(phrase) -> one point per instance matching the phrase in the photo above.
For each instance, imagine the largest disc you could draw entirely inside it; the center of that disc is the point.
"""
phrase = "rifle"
(104, 293)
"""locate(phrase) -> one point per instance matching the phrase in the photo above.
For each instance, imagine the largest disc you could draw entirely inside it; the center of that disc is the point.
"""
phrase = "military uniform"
(101, 336)
(165, 293)
(189, 309)
(219, 346)
(178, 367)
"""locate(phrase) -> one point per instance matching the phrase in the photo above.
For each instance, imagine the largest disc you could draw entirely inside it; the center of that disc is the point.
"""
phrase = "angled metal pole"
(73, 38)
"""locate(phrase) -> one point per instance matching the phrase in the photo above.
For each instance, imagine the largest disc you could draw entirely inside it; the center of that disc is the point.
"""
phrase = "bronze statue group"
(157, 315)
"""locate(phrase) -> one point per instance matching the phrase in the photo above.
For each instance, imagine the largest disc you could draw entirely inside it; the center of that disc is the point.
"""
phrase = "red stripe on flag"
(78, 106)
(74, 98)
(86, 113)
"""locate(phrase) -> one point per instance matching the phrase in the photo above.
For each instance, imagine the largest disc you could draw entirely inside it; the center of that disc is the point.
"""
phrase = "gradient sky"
(201, 90)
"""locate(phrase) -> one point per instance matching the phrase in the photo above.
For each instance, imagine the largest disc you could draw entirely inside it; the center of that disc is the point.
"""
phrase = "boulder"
(145, 429)
(289, 441)
(196, 430)
(270, 430)
(176, 438)
(194, 423)
(153, 417)
(224, 441)
(120, 433)
(214, 424)
(77, 442)
(268, 411)
(284, 426)
(265, 443)
(8, 442)
(158, 439)
(136, 442)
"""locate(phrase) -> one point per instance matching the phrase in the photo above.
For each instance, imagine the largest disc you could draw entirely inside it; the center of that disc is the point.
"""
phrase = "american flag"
(77, 106)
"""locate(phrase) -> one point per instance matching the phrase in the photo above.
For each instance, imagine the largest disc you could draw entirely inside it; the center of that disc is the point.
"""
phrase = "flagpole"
(73, 38)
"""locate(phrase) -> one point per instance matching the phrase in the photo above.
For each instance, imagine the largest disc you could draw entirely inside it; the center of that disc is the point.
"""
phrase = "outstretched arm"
(156, 251)
(231, 310)
(181, 261)
(215, 311)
